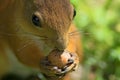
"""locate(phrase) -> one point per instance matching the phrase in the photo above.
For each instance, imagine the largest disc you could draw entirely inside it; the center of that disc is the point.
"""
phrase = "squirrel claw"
(59, 64)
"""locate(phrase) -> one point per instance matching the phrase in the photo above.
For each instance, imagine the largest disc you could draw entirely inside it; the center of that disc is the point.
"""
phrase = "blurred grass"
(99, 24)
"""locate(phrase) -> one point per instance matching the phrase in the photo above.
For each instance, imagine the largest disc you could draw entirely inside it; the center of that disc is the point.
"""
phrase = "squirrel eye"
(74, 13)
(36, 21)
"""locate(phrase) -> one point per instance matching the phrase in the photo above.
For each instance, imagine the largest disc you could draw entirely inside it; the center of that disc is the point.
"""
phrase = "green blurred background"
(99, 24)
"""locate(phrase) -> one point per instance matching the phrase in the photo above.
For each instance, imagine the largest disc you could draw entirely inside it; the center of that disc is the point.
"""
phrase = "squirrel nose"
(60, 47)
(61, 44)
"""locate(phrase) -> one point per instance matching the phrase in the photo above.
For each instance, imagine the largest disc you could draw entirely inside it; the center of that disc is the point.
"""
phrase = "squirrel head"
(35, 27)
(49, 18)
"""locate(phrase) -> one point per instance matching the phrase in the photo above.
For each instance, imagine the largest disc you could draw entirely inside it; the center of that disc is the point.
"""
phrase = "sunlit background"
(99, 24)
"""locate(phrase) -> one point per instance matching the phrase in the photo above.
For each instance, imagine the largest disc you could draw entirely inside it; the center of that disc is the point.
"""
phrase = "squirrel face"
(35, 26)
(49, 18)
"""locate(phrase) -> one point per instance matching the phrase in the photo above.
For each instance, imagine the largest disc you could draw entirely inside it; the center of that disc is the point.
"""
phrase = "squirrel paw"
(59, 63)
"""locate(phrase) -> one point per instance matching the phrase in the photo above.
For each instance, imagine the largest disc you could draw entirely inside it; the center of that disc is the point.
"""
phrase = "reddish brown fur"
(29, 43)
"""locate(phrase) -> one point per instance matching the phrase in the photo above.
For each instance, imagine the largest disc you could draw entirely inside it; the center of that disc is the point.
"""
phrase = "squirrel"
(39, 34)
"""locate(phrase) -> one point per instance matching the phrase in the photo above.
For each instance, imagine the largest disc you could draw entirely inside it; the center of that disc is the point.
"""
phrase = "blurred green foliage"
(99, 24)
